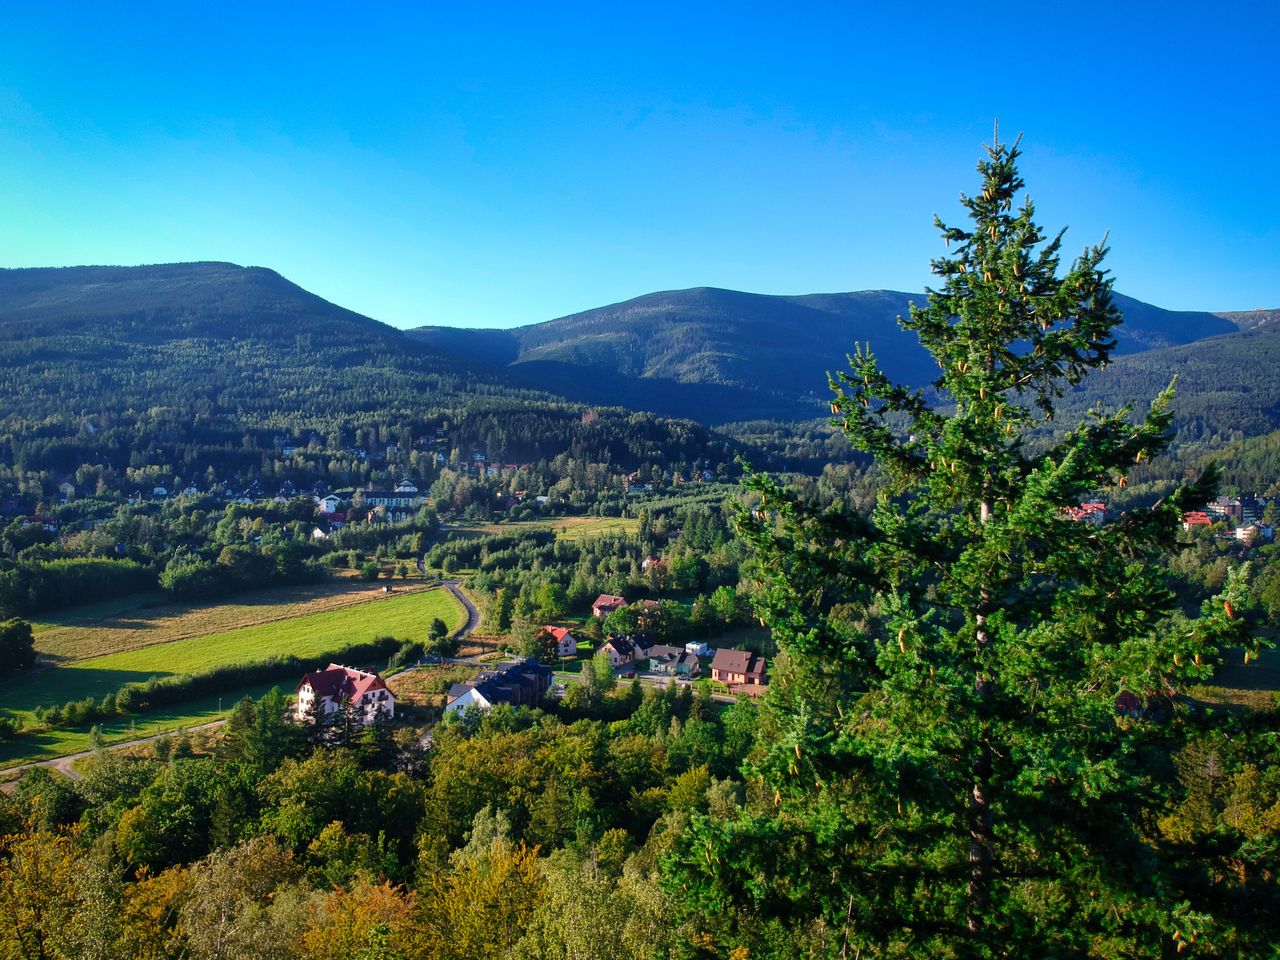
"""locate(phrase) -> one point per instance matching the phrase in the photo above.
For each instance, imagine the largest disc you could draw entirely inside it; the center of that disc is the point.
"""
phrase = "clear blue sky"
(508, 164)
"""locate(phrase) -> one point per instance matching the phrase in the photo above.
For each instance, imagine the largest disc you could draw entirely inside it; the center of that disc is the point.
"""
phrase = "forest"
(992, 728)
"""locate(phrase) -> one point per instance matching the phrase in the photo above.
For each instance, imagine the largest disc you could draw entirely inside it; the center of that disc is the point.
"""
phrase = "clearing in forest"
(567, 528)
(144, 620)
(406, 615)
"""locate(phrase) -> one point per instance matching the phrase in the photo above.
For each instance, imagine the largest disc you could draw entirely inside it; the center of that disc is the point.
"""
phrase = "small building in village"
(741, 670)
(605, 604)
(673, 661)
(626, 650)
(523, 683)
(324, 693)
(566, 642)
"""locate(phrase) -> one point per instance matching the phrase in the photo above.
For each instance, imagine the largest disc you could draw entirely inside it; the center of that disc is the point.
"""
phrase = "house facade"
(392, 498)
(673, 661)
(566, 642)
(625, 651)
(737, 668)
(324, 693)
(605, 604)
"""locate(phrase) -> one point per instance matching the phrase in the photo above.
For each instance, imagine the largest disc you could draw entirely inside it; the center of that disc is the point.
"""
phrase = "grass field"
(150, 619)
(568, 528)
(60, 743)
(405, 615)
(1254, 685)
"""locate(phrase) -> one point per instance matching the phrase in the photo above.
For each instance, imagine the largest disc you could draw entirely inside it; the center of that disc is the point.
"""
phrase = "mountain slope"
(1228, 386)
(722, 355)
(209, 362)
(1252, 319)
(210, 339)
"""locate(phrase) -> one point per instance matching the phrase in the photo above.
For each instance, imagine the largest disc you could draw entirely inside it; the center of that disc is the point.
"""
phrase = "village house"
(739, 669)
(329, 504)
(1196, 518)
(324, 693)
(392, 498)
(605, 604)
(625, 651)
(1094, 513)
(566, 642)
(523, 683)
(673, 661)
(1254, 533)
(1231, 508)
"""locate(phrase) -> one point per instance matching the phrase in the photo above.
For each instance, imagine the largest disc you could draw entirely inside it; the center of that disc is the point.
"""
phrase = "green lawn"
(60, 743)
(313, 635)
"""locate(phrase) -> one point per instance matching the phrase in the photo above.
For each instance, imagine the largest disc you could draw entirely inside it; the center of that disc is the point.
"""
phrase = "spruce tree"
(945, 769)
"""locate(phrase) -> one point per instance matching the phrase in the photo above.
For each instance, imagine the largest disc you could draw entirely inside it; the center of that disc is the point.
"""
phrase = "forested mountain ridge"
(722, 355)
(1228, 386)
(207, 363)
(198, 334)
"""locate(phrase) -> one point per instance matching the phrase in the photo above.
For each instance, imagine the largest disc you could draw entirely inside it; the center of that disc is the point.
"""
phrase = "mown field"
(142, 621)
(568, 528)
(406, 615)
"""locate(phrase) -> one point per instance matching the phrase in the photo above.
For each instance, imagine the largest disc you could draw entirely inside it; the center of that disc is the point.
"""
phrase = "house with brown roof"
(738, 668)
(324, 693)
(605, 604)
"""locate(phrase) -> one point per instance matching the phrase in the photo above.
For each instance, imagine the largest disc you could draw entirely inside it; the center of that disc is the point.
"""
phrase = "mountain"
(1252, 319)
(205, 335)
(723, 355)
(126, 365)
(1228, 386)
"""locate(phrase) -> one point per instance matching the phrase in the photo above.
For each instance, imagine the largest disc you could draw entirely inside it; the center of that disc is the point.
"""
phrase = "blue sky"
(512, 163)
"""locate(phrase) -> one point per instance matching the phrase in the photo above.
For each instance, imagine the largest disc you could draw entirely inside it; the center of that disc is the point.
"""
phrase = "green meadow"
(315, 635)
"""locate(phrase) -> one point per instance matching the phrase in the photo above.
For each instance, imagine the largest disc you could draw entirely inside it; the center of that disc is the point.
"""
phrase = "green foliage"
(17, 646)
(948, 771)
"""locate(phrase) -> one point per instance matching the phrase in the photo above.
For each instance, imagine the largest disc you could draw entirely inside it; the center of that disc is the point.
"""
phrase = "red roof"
(1196, 518)
(342, 683)
(558, 632)
(607, 601)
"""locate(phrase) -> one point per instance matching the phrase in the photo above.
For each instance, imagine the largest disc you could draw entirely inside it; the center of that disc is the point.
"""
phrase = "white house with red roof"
(566, 642)
(323, 694)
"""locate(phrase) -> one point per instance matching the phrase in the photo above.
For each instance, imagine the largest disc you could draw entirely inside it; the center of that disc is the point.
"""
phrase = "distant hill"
(722, 355)
(1228, 386)
(217, 357)
(1252, 319)
(205, 334)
